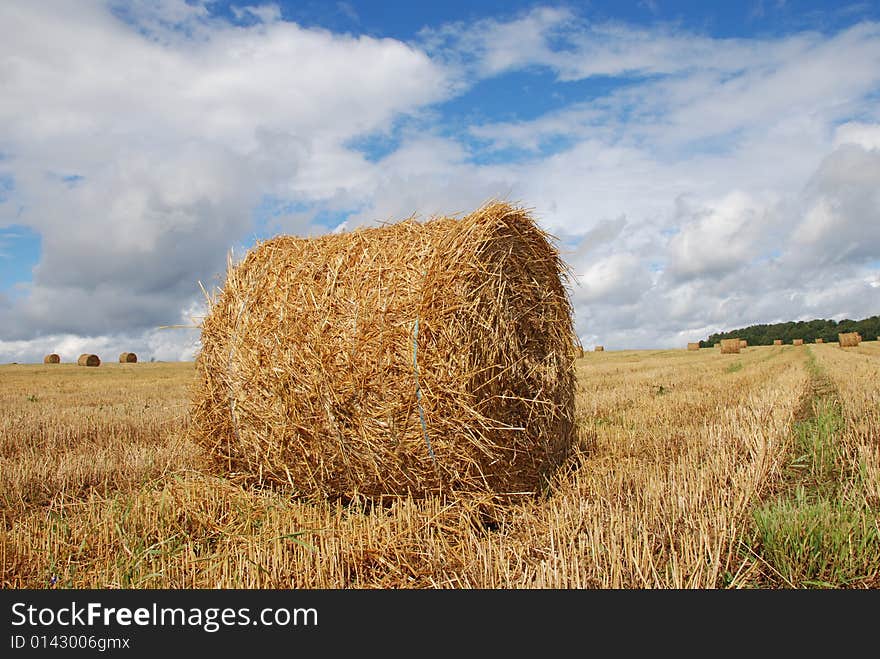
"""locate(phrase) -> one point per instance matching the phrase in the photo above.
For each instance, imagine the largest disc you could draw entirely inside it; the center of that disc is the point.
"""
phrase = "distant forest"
(808, 330)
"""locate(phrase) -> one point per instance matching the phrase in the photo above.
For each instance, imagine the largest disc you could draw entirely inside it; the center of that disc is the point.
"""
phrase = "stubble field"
(692, 470)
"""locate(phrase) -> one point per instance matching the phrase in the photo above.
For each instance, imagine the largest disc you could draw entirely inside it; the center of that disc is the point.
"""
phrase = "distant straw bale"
(820, 340)
(798, 342)
(849, 339)
(599, 349)
(743, 343)
(86, 359)
(730, 346)
(693, 346)
(777, 342)
(413, 358)
(52, 359)
(128, 358)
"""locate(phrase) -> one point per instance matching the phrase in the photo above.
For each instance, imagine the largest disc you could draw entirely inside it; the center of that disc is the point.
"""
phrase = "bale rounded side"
(418, 358)
(849, 339)
(730, 346)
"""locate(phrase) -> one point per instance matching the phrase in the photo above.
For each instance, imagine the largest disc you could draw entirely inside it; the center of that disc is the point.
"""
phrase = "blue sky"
(704, 165)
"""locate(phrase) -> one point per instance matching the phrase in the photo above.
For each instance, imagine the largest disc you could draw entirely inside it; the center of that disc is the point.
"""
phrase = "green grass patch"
(818, 531)
(734, 367)
(812, 541)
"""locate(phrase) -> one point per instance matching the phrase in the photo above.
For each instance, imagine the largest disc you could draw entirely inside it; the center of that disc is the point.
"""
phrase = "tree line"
(808, 330)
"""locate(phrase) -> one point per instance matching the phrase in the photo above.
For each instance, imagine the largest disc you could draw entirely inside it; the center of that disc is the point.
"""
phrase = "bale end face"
(52, 359)
(88, 360)
(798, 342)
(777, 342)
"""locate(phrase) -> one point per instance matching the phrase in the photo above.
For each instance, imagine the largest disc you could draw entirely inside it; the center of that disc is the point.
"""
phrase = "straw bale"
(848, 339)
(599, 349)
(743, 343)
(730, 346)
(777, 342)
(128, 358)
(820, 340)
(86, 359)
(798, 342)
(693, 346)
(52, 359)
(414, 358)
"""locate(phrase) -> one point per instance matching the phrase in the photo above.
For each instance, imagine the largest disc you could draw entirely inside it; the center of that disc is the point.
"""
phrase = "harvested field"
(679, 479)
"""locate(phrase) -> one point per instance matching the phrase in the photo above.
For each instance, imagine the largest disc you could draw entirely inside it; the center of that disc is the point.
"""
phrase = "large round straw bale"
(848, 339)
(128, 358)
(798, 342)
(52, 359)
(419, 358)
(730, 346)
(86, 359)
(777, 342)
(599, 349)
(693, 346)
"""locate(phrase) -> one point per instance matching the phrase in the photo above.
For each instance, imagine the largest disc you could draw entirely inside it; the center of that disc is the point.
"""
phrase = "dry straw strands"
(128, 358)
(599, 349)
(743, 343)
(433, 357)
(798, 342)
(730, 346)
(849, 339)
(88, 360)
(777, 342)
(693, 346)
(52, 359)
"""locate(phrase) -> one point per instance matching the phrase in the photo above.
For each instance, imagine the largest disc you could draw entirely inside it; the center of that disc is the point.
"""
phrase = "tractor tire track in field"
(815, 530)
